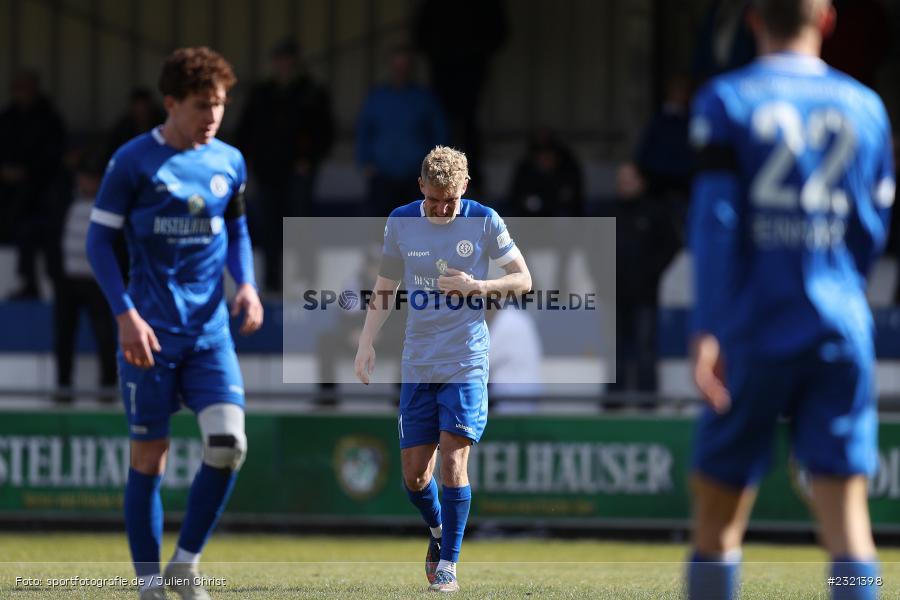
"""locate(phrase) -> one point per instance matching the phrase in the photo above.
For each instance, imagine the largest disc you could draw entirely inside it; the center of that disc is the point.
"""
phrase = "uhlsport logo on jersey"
(465, 248)
(360, 465)
(218, 185)
(195, 204)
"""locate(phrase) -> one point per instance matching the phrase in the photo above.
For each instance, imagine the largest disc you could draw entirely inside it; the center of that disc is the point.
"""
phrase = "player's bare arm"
(516, 281)
(709, 372)
(379, 310)
(137, 340)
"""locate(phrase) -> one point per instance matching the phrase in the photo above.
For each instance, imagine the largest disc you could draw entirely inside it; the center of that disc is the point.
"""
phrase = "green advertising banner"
(580, 470)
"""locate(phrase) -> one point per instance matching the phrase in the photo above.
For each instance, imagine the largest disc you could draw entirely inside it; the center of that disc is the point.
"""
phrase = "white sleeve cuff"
(511, 255)
(109, 219)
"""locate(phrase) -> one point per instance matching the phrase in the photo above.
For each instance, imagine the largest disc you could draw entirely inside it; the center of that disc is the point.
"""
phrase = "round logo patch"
(360, 464)
(195, 204)
(218, 185)
(465, 248)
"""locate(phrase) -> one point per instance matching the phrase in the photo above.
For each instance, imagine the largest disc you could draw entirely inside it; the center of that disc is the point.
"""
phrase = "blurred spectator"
(861, 39)
(285, 132)
(459, 43)
(664, 156)
(341, 342)
(515, 359)
(646, 235)
(143, 114)
(548, 180)
(724, 41)
(32, 140)
(76, 288)
(653, 193)
(400, 122)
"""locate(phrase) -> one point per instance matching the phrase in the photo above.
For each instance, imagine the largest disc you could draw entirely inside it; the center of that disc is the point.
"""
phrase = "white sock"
(148, 581)
(437, 532)
(183, 556)
(446, 565)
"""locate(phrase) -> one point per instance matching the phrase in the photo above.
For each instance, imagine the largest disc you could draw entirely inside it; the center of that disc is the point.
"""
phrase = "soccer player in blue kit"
(789, 211)
(440, 248)
(177, 192)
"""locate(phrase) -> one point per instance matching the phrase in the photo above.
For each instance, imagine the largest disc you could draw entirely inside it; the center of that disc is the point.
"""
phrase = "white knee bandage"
(224, 442)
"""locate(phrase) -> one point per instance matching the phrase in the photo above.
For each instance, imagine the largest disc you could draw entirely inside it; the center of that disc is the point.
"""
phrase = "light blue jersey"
(790, 207)
(173, 206)
(416, 251)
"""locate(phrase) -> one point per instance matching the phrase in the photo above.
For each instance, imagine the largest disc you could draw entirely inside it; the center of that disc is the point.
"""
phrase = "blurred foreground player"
(790, 210)
(440, 248)
(178, 194)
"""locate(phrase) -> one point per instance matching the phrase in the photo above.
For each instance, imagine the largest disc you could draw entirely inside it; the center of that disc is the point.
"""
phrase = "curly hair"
(445, 168)
(189, 70)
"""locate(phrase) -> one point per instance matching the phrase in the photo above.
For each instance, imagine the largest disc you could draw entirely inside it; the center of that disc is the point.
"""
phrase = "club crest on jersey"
(218, 185)
(195, 204)
(465, 248)
(441, 265)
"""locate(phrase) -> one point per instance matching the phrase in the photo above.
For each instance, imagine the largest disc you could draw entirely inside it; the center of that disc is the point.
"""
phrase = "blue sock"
(845, 566)
(426, 500)
(713, 578)
(209, 494)
(144, 521)
(455, 504)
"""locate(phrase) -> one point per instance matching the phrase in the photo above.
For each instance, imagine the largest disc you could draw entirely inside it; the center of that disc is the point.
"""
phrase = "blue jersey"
(417, 251)
(173, 205)
(790, 207)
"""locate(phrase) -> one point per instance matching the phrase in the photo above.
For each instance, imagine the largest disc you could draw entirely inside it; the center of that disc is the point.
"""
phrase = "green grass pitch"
(275, 567)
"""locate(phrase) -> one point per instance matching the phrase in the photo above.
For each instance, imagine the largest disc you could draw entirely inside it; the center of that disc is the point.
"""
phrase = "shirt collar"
(796, 62)
(422, 208)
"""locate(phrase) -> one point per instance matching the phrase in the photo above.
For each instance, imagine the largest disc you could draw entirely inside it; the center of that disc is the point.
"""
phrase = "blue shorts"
(828, 396)
(446, 397)
(196, 373)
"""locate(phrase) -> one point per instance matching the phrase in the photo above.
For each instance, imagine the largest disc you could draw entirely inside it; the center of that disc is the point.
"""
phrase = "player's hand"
(709, 372)
(364, 365)
(454, 280)
(247, 301)
(137, 339)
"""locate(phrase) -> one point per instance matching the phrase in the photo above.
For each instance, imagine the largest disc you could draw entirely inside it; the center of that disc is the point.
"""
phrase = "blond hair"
(445, 168)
